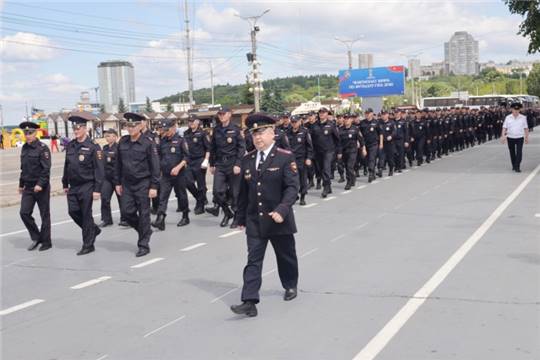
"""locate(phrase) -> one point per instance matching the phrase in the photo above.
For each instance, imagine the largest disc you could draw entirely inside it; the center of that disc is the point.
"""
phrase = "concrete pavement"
(363, 256)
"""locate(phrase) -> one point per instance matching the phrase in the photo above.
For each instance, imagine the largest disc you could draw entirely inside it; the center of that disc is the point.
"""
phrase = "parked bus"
(475, 102)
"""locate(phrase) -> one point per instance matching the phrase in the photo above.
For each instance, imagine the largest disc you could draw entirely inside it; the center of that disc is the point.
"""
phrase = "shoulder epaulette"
(250, 153)
(283, 151)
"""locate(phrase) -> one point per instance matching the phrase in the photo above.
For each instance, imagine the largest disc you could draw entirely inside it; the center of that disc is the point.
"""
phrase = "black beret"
(28, 125)
(258, 121)
(133, 117)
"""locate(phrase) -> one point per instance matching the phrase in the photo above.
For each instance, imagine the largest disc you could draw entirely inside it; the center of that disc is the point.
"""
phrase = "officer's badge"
(81, 157)
(350, 136)
(420, 128)
(99, 154)
(399, 126)
(247, 175)
(195, 140)
(109, 159)
(371, 129)
(229, 140)
(299, 140)
(294, 168)
(46, 154)
(173, 149)
(387, 128)
(325, 132)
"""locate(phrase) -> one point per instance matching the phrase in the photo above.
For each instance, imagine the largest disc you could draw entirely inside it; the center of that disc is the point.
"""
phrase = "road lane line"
(21, 306)
(309, 205)
(329, 198)
(90, 282)
(225, 294)
(146, 263)
(361, 187)
(338, 238)
(346, 192)
(268, 272)
(189, 248)
(358, 227)
(537, 215)
(375, 182)
(309, 253)
(230, 234)
(103, 357)
(164, 326)
(386, 178)
(385, 335)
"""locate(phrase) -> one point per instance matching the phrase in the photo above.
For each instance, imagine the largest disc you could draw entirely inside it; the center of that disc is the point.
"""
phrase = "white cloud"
(26, 47)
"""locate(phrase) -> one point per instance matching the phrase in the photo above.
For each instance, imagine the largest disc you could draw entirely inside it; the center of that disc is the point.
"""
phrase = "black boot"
(371, 177)
(199, 208)
(365, 172)
(159, 222)
(227, 217)
(311, 184)
(247, 308)
(341, 179)
(185, 219)
(234, 223)
(213, 210)
(302, 200)
(379, 173)
(318, 187)
(391, 172)
(347, 187)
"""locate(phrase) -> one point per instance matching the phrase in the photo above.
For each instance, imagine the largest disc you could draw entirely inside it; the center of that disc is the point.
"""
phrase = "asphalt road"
(440, 262)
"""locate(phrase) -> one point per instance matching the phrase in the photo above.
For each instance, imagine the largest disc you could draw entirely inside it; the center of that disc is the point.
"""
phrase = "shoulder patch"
(283, 151)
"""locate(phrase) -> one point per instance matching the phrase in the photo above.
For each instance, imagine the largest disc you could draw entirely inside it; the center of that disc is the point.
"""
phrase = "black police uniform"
(154, 138)
(418, 133)
(36, 170)
(351, 140)
(83, 175)
(372, 132)
(137, 170)
(174, 151)
(227, 148)
(402, 137)
(272, 187)
(302, 147)
(107, 188)
(388, 131)
(326, 144)
(198, 143)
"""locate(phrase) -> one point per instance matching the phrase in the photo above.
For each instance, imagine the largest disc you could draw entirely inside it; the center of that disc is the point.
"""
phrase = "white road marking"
(386, 178)
(381, 215)
(537, 215)
(309, 253)
(146, 263)
(310, 205)
(383, 337)
(415, 167)
(397, 174)
(346, 192)
(103, 357)
(375, 182)
(398, 206)
(361, 187)
(222, 296)
(329, 198)
(189, 248)
(358, 227)
(21, 306)
(231, 233)
(164, 326)
(426, 192)
(20, 261)
(268, 272)
(338, 237)
(406, 170)
(414, 198)
(90, 282)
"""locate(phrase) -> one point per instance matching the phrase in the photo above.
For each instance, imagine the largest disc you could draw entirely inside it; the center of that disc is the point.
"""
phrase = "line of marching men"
(145, 166)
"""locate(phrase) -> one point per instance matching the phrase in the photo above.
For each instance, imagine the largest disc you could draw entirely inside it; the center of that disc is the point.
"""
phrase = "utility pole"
(188, 55)
(349, 44)
(319, 87)
(254, 79)
(212, 81)
(413, 92)
(521, 82)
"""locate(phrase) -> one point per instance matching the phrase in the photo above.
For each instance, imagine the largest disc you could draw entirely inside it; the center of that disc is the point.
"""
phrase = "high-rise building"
(116, 81)
(365, 61)
(414, 69)
(461, 54)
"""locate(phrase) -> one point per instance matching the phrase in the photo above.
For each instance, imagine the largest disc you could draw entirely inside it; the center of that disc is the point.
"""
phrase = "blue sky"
(50, 50)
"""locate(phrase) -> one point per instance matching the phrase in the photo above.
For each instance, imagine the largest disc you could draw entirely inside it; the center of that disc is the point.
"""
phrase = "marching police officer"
(388, 131)
(82, 179)
(351, 141)
(373, 139)
(401, 140)
(198, 143)
(34, 186)
(418, 137)
(173, 162)
(268, 190)
(107, 188)
(227, 148)
(326, 144)
(136, 179)
(302, 147)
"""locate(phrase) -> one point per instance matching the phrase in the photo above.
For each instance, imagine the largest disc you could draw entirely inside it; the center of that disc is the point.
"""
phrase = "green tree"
(169, 107)
(533, 81)
(530, 27)
(148, 107)
(247, 96)
(121, 106)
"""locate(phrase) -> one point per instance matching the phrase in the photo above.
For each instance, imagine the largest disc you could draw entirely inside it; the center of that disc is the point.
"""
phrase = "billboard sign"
(378, 81)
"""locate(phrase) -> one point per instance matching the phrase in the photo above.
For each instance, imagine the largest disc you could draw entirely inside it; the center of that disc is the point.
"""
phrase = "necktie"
(261, 160)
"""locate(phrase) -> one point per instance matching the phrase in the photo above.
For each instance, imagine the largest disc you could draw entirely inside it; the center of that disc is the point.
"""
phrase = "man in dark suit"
(268, 189)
